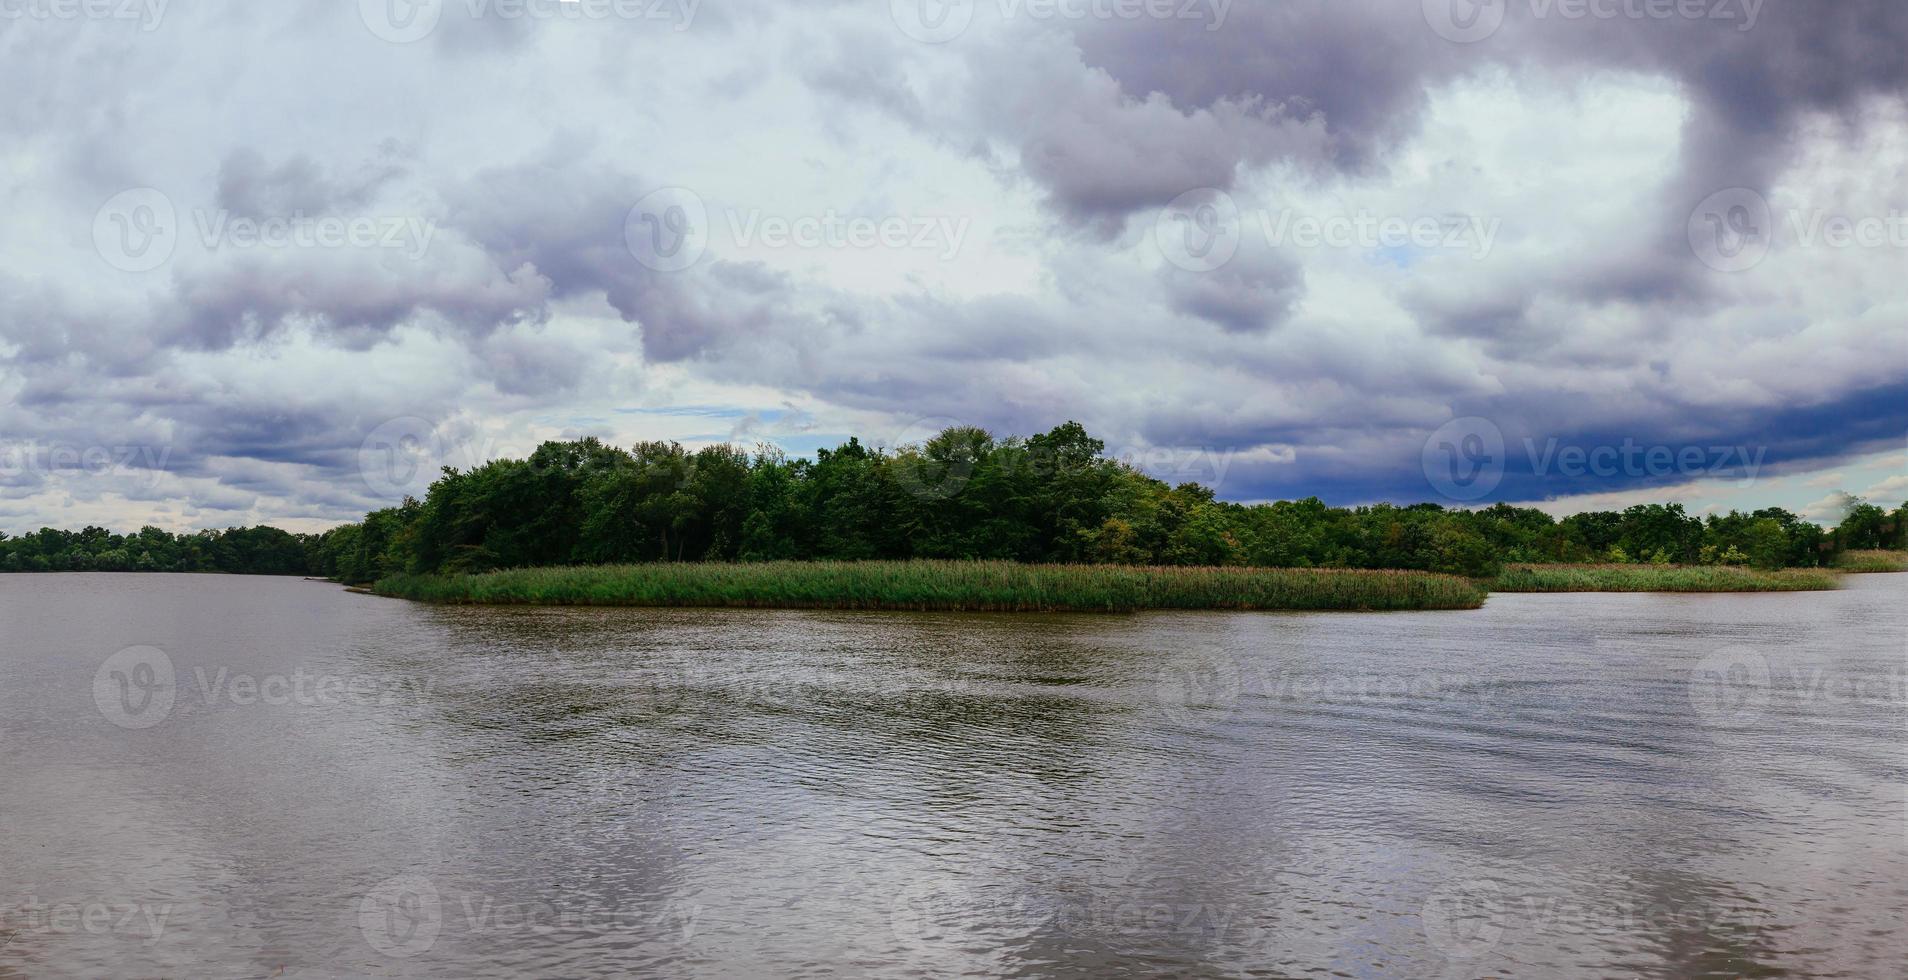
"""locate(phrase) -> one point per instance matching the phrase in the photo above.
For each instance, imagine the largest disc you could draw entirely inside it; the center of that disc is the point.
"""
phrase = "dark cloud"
(249, 186)
(1358, 67)
(1362, 68)
(1251, 294)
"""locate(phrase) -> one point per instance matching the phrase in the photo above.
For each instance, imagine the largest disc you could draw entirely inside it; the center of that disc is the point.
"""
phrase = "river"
(222, 777)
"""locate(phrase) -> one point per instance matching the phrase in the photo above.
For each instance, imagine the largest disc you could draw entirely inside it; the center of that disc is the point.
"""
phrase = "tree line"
(963, 494)
(241, 550)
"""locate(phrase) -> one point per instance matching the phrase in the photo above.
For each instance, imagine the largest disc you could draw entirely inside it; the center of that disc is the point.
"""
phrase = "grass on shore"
(1661, 578)
(946, 585)
(1873, 561)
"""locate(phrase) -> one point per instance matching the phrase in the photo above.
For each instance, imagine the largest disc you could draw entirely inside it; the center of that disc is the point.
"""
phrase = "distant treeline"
(243, 550)
(964, 494)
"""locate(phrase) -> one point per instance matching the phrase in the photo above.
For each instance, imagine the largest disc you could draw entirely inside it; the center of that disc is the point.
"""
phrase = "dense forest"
(964, 494)
(245, 550)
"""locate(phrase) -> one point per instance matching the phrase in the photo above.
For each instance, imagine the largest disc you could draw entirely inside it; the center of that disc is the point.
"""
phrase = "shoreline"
(1666, 579)
(1871, 562)
(953, 586)
(948, 586)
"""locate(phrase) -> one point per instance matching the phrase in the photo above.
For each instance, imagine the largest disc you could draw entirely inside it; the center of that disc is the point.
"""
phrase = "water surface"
(245, 777)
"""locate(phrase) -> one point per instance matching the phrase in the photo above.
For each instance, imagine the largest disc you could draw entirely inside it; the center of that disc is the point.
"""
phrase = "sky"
(277, 262)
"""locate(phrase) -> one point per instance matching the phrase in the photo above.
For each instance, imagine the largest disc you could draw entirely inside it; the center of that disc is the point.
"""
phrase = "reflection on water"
(234, 777)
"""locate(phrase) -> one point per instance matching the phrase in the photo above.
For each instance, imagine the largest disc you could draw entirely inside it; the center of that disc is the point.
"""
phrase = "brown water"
(239, 777)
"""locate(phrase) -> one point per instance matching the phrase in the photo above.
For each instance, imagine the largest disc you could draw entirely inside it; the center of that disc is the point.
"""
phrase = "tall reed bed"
(1872, 561)
(947, 585)
(1661, 578)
